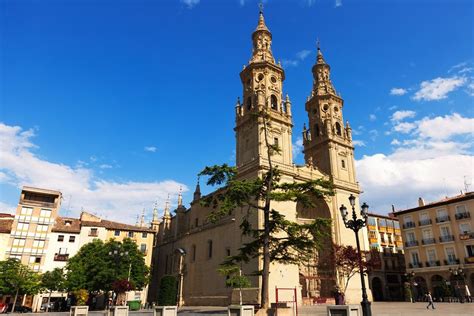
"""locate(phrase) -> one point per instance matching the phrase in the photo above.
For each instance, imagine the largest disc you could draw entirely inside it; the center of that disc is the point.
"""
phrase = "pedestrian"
(430, 300)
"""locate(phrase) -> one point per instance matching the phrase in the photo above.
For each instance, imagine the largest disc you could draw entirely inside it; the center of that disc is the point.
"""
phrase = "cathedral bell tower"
(327, 142)
(262, 81)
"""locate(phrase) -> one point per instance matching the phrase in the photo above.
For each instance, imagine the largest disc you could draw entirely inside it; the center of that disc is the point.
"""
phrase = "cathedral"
(191, 247)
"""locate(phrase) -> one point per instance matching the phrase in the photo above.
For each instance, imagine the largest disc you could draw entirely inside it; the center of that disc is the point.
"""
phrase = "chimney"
(421, 202)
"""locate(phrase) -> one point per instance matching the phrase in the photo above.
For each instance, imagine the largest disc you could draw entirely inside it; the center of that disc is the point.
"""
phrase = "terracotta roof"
(6, 215)
(117, 226)
(445, 201)
(383, 216)
(6, 226)
(61, 226)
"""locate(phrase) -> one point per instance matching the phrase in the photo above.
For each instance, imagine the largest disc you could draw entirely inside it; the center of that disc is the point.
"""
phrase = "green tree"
(97, 265)
(53, 281)
(279, 239)
(18, 279)
(168, 291)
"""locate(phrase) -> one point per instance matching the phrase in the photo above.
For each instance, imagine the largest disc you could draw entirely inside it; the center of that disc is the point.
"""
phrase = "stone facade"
(191, 247)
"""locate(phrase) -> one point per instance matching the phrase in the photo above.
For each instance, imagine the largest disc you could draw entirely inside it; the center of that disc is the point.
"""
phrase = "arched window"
(209, 248)
(249, 103)
(274, 102)
(316, 130)
(338, 129)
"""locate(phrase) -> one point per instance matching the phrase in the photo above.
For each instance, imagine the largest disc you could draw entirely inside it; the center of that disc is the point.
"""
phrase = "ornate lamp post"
(118, 256)
(355, 224)
(409, 276)
(458, 274)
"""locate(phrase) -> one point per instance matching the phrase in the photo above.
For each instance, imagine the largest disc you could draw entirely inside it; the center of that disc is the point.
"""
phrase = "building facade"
(439, 244)
(41, 239)
(386, 281)
(191, 247)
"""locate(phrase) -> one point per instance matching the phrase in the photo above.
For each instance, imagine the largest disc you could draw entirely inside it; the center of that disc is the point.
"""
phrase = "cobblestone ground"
(378, 309)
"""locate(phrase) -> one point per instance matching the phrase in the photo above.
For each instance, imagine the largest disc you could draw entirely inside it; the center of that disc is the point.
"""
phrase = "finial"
(155, 211)
(197, 192)
(287, 99)
(260, 6)
(167, 207)
(180, 197)
(318, 44)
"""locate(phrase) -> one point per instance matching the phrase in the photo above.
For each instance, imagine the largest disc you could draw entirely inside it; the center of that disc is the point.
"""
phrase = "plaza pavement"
(378, 309)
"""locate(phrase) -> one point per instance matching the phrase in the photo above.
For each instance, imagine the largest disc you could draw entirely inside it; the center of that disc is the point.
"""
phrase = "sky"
(119, 104)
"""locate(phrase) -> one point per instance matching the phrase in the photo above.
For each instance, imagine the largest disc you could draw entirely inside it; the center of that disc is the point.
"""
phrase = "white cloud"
(401, 115)
(438, 88)
(404, 127)
(151, 149)
(116, 200)
(289, 63)
(297, 147)
(432, 164)
(303, 54)
(393, 107)
(105, 166)
(338, 3)
(359, 143)
(470, 89)
(372, 117)
(398, 91)
(190, 3)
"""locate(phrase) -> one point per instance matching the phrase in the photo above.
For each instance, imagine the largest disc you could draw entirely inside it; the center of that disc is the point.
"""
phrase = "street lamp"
(118, 255)
(181, 253)
(355, 224)
(409, 277)
(458, 274)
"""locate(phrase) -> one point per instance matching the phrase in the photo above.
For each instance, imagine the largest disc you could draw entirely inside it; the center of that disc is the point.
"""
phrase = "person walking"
(430, 301)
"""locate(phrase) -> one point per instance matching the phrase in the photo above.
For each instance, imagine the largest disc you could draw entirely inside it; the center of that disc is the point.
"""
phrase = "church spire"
(322, 84)
(262, 41)
(197, 191)
(155, 212)
(167, 213)
(180, 197)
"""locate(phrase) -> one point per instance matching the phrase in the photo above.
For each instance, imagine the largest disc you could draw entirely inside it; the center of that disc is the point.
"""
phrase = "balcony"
(61, 257)
(428, 241)
(425, 222)
(469, 260)
(462, 215)
(435, 263)
(451, 262)
(411, 243)
(466, 236)
(442, 219)
(446, 238)
(409, 225)
(415, 265)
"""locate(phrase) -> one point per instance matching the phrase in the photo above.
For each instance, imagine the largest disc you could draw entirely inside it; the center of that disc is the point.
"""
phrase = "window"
(27, 211)
(196, 222)
(407, 219)
(274, 102)
(16, 257)
(461, 209)
(382, 239)
(93, 232)
(424, 216)
(389, 238)
(209, 248)
(61, 238)
(427, 234)
(38, 243)
(465, 228)
(117, 233)
(396, 225)
(130, 234)
(193, 257)
(34, 259)
(343, 164)
(431, 254)
(372, 234)
(22, 227)
(249, 103)
(143, 248)
(450, 254)
(45, 213)
(470, 250)
(19, 242)
(227, 252)
(415, 259)
(411, 236)
(62, 251)
(445, 231)
(42, 228)
(338, 129)
(144, 235)
(72, 238)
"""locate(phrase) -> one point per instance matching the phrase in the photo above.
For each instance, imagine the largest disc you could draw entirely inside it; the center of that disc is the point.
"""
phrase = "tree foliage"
(279, 239)
(18, 279)
(234, 277)
(53, 280)
(168, 291)
(97, 265)
(346, 261)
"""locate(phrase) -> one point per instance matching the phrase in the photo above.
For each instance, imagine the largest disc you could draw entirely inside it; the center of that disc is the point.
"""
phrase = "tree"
(279, 239)
(234, 278)
(346, 262)
(53, 281)
(168, 290)
(97, 265)
(18, 279)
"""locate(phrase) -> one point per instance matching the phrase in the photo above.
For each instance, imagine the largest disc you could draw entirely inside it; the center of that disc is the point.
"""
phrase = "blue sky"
(119, 103)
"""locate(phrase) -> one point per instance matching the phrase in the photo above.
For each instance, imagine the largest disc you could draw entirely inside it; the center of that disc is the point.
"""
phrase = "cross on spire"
(260, 5)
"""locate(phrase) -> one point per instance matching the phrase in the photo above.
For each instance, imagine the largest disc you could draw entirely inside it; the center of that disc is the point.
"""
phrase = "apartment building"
(439, 243)
(6, 223)
(386, 281)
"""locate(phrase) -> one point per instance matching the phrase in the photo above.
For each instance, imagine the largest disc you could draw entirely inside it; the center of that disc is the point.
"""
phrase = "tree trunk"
(14, 301)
